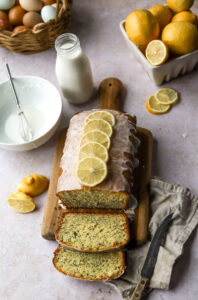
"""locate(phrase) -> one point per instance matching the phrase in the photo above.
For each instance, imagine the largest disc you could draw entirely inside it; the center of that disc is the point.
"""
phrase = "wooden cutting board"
(111, 92)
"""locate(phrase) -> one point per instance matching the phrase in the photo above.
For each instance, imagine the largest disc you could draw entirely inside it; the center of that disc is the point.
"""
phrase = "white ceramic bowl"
(42, 105)
(170, 70)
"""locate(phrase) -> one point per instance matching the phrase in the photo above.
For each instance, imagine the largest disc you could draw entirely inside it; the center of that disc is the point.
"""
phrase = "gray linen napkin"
(165, 197)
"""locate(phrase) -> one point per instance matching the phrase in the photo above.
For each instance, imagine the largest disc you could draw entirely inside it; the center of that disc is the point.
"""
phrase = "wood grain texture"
(52, 212)
(140, 287)
(110, 91)
(142, 176)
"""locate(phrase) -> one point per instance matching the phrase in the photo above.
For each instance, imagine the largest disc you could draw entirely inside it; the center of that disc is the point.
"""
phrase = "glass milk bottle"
(73, 70)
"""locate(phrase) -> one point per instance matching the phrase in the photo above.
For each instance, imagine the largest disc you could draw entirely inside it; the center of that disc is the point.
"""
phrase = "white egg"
(48, 12)
(31, 5)
(6, 4)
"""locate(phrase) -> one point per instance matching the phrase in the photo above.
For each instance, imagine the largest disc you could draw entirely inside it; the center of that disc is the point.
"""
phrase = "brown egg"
(16, 14)
(20, 28)
(31, 18)
(48, 2)
(3, 15)
(4, 24)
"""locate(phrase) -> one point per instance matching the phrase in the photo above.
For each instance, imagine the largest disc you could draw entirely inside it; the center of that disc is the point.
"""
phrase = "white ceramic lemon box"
(170, 70)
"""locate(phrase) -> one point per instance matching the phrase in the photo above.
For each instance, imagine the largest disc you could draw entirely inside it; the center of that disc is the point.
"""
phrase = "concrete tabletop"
(26, 270)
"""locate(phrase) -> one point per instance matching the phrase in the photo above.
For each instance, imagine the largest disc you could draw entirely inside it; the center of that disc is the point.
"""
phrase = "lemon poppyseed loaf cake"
(89, 266)
(93, 232)
(115, 189)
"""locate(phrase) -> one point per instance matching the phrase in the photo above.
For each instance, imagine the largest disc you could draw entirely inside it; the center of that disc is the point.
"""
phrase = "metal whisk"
(24, 126)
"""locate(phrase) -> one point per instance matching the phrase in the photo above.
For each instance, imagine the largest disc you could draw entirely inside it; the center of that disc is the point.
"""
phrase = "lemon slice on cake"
(93, 149)
(166, 96)
(90, 171)
(98, 124)
(154, 107)
(101, 114)
(21, 202)
(157, 52)
(97, 136)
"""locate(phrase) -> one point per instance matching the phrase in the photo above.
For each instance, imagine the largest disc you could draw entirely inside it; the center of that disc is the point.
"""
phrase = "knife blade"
(149, 264)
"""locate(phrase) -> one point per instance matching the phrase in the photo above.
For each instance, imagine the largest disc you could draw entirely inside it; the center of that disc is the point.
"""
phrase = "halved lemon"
(154, 107)
(21, 202)
(98, 124)
(97, 136)
(93, 149)
(157, 52)
(90, 171)
(166, 96)
(101, 114)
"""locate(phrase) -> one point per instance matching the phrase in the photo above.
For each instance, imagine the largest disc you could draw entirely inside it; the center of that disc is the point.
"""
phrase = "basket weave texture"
(42, 36)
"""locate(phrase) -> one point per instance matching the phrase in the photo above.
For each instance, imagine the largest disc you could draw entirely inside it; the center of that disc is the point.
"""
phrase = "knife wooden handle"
(137, 293)
(110, 91)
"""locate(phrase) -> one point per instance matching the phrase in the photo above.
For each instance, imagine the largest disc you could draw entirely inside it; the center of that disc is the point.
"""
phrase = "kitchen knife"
(149, 264)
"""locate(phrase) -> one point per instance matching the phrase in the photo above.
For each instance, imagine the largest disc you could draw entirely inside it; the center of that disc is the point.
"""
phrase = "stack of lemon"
(91, 167)
(164, 29)
(162, 101)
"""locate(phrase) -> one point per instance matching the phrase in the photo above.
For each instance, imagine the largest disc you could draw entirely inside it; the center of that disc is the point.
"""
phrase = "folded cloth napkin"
(165, 197)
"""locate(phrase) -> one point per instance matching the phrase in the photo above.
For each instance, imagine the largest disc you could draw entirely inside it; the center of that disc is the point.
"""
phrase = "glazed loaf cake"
(89, 266)
(93, 232)
(114, 192)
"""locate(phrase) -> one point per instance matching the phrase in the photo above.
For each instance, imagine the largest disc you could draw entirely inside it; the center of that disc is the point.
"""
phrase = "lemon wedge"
(98, 124)
(21, 202)
(90, 171)
(93, 149)
(97, 136)
(157, 52)
(154, 107)
(101, 114)
(166, 96)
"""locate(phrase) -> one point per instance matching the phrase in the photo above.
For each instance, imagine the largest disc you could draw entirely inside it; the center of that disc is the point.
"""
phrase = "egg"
(20, 28)
(48, 12)
(31, 18)
(5, 24)
(48, 2)
(31, 5)
(6, 4)
(3, 15)
(16, 14)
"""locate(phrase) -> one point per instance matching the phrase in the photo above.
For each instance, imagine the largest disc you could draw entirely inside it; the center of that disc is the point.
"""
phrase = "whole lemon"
(186, 16)
(179, 5)
(142, 27)
(180, 37)
(162, 14)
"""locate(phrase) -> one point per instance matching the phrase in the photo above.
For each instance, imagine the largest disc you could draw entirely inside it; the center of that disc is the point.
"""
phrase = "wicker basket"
(42, 36)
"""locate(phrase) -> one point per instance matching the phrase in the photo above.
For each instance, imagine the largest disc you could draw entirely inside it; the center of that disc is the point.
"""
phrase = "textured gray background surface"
(26, 271)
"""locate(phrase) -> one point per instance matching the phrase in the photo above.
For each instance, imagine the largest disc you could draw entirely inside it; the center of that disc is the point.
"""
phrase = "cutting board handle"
(110, 93)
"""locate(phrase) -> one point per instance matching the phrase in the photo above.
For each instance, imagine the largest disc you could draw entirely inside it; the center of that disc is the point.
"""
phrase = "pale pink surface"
(26, 270)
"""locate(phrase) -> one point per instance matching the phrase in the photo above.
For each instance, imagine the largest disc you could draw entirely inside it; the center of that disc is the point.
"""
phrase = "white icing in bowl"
(42, 105)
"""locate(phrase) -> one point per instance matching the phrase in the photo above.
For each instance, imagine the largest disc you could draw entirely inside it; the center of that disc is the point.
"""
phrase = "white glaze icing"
(118, 162)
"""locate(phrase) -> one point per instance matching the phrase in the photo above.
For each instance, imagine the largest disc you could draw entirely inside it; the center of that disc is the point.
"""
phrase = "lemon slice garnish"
(21, 202)
(90, 171)
(98, 124)
(154, 107)
(166, 96)
(93, 149)
(101, 114)
(97, 136)
(157, 52)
